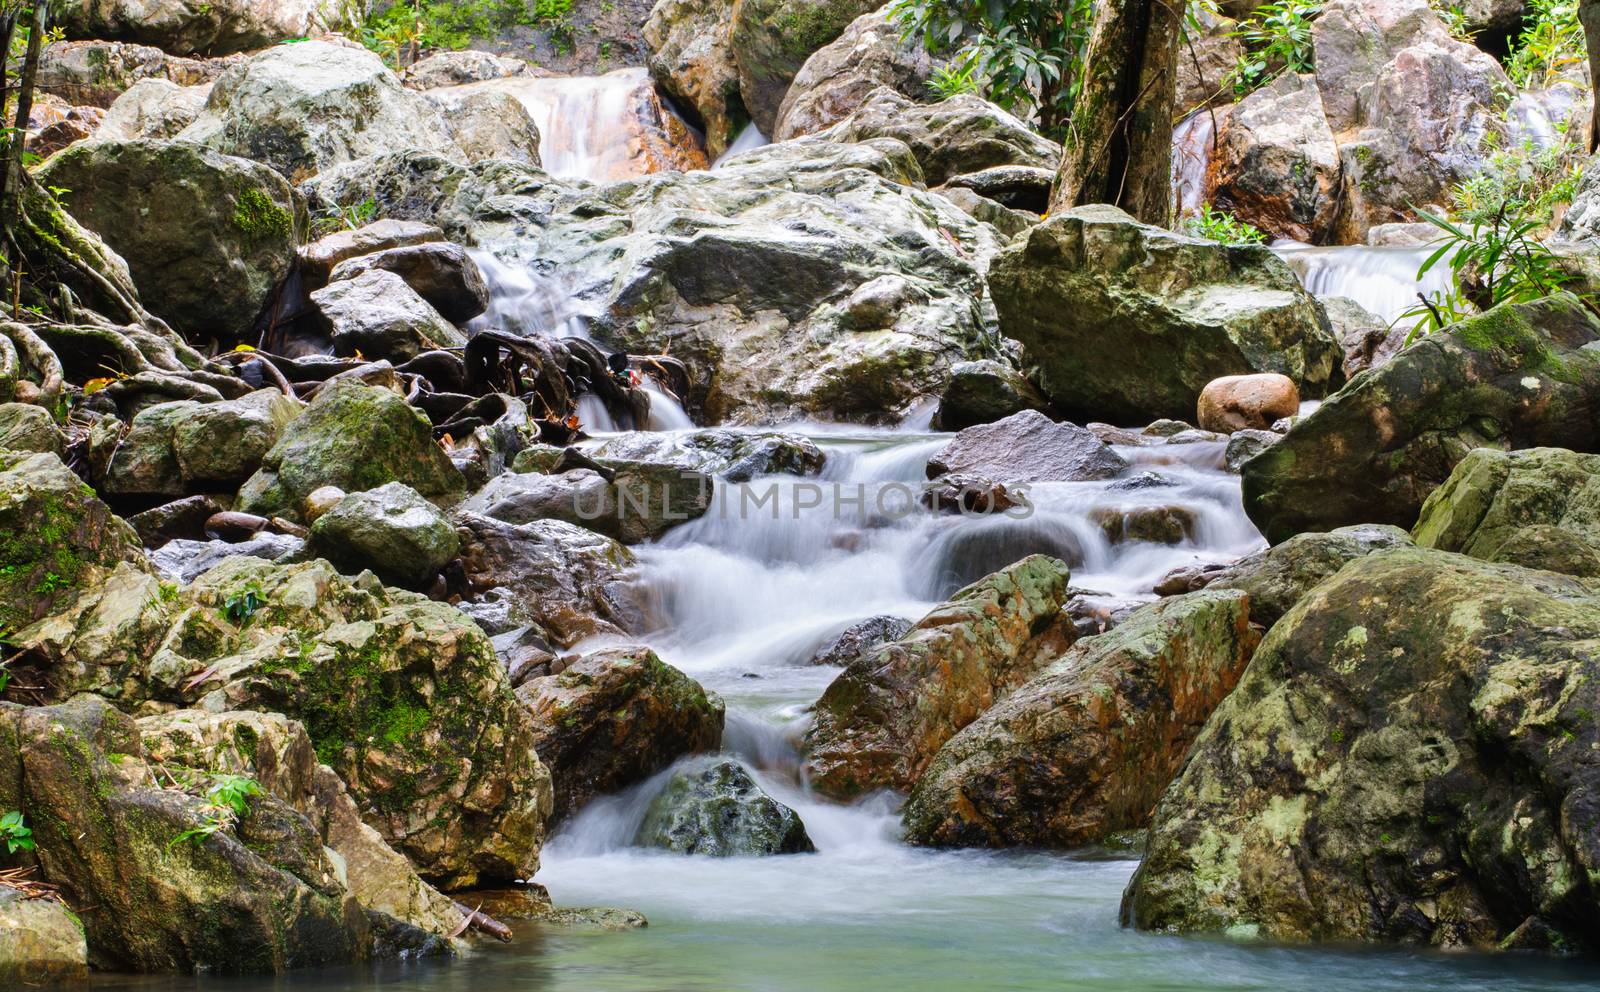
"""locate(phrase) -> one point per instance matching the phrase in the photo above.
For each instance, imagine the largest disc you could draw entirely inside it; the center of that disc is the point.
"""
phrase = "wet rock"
(954, 137)
(715, 808)
(1027, 447)
(1154, 524)
(970, 494)
(40, 941)
(1539, 508)
(882, 720)
(692, 56)
(304, 107)
(1519, 376)
(1368, 340)
(841, 76)
(1280, 576)
(95, 73)
(1188, 578)
(1245, 445)
(1400, 774)
(1086, 748)
(174, 448)
(1125, 321)
(227, 233)
(185, 28)
(488, 123)
(1276, 165)
(860, 638)
(26, 427)
(571, 582)
(319, 258)
(180, 519)
(58, 537)
(614, 718)
(771, 40)
(1246, 402)
(982, 392)
(405, 699)
(375, 313)
(455, 68)
(355, 437)
(183, 560)
(644, 501)
(737, 456)
(391, 530)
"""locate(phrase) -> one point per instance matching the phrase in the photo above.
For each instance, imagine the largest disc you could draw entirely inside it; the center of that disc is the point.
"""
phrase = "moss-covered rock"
(26, 427)
(41, 941)
(56, 537)
(355, 437)
(1407, 758)
(1539, 508)
(1086, 748)
(614, 718)
(1276, 578)
(1127, 322)
(175, 448)
(391, 530)
(887, 714)
(1520, 376)
(715, 808)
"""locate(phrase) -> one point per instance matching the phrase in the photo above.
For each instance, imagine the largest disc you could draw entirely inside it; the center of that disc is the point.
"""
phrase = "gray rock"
(737, 456)
(456, 68)
(27, 427)
(391, 530)
(377, 314)
(1245, 445)
(152, 108)
(715, 808)
(319, 258)
(841, 75)
(440, 272)
(41, 941)
(1028, 447)
(860, 638)
(1018, 187)
(213, 28)
(1368, 341)
(1280, 576)
(488, 123)
(771, 40)
(1276, 164)
(643, 502)
(185, 560)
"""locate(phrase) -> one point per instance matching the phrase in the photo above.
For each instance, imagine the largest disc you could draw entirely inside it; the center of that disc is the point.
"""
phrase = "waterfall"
(748, 140)
(1383, 280)
(1193, 141)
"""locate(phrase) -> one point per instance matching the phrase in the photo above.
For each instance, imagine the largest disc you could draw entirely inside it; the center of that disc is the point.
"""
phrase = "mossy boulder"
(41, 941)
(1086, 748)
(391, 530)
(1520, 376)
(56, 537)
(207, 236)
(616, 717)
(355, 437)
(1127, 322)
(1408, 758)
(714, 807)
(175, 448)
(1539, 508)
(881, 722)
(1277, 577)
(771, 40)
(403, 697)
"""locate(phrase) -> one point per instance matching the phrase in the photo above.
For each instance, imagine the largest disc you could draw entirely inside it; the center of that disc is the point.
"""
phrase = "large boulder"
(40, 941)
(58, 537)
(1276, 165)
(714, 808)
(175, 448)
(1246, 402)
(1539, 508)
(771, 40)
(207, 237)
(881, 722)
(27, 427)
(953, 137)
(404, 698)
(95, 73)
(376, 314)
(616, 717)
(441, 272)
(1278, 577)
(163, 884)
(1519, 376)
(391, 530)
(152, 108)
(1086, 748)
(355, 437)
(488, 123)
(186, 27)
(1027, 447)
(304, 107)
(692, 56)
(842, 75)
(1128, 322)
(1407, 759)
(982, 392)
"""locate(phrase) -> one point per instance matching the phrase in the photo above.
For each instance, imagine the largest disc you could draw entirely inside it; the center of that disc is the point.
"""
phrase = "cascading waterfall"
(1383, 280)
(748, 140)
(1193, 141)
(579, 118)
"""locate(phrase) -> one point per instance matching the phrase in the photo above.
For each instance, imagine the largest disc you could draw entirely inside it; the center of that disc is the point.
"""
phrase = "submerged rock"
(715, 808)
(1086, 748)
(1028, 447)
(1407, 759)
(882, 720)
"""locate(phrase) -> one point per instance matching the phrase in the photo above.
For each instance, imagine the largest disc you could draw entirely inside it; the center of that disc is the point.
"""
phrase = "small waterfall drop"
(1383, 280)
(748, 140)
(1193, 141)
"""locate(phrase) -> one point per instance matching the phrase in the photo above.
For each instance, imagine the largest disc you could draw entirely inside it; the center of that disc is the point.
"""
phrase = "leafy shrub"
(1276, 39)
(14, 833)
(1219, 225)
(1493, 261)
(1551, 43)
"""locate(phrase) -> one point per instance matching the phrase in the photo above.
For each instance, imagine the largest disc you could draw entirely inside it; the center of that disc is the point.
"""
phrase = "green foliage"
(1521, 181)
(242, 606)
(1022, 54)
(1455, 19)
(347, 218)
(227, 799)
(15, 833)
(258, 217)
(1551, 43)
(1219, 225)
(959, 76)
(399, 32)
(1276, 39)
(1492, 261)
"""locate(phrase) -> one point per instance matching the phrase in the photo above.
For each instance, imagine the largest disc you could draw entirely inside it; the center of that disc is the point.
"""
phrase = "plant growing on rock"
(1550, 45)
(227, 799)
(1493, 261)
(15, 833)
(1277, 39)
(1219, 225)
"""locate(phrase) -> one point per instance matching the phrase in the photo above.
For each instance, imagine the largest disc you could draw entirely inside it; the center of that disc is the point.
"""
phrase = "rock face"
(1276, 164)
(355, 437)
(40, 942)
(391, 530)
(261, 896)
(1027, 447)
(771, 40)
(1128, 322)
(614, 718)
(1280, 576)
(950, 138)
(95, 73)
(1406, 759)
(1518, 376)
(982, 392)
(152, 108)
(1086, 748)
(207, 237)
(715, 808)
(691, 55)
(404, 698)
(304, 107)
(884, 718)
(184, 27)
(1246, 402)
(58, 539)
(377, 314)
(440, 272)
(1538, 508)
(842, 74)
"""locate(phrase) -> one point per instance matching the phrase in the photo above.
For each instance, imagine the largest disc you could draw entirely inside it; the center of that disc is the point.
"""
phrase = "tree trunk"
(1119, 147)
(1589, 17)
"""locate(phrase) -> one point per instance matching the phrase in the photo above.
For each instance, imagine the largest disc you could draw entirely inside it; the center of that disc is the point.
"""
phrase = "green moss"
(258, 217)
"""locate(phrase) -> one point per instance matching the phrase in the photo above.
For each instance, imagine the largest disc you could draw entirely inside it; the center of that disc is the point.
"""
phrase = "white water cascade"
(748, 140)
(1383, 280)
(579, 119)
(1193, 141)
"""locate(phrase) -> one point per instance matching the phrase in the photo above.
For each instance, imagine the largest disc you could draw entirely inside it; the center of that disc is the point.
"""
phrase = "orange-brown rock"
(1247, 402)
